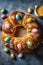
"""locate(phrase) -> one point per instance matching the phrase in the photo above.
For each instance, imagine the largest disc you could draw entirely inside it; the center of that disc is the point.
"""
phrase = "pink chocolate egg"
(35, 30)
(3, 16)
(19, 46)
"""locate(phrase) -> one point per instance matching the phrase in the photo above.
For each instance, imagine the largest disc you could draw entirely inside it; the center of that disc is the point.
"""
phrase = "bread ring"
(12, 32)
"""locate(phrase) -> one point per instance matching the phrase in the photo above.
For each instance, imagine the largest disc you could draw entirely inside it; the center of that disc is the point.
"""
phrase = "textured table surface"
(30, 58)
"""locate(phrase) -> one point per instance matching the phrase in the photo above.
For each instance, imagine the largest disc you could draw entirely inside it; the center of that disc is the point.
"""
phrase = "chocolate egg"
(18, 17)
(19, 46)
(30, 10)
(3, 16)
(34, 30)
(12, 56)
(29, 20)
(7, 39)
(29, 43)
(4, 11)
(20, 55)
(6, 50)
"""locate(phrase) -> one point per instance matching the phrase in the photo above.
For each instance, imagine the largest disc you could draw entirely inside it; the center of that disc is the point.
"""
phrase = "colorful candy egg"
(3, 16)
(19, 46)
(29, 43)
(18, 17)
(29, 20)
(29, 10)
(20, 55)
(35, 30)
(4, 11)
(6, 50)
(7, 39)
(12, 56)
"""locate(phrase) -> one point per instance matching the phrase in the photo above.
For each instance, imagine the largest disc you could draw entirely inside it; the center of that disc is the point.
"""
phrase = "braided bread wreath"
(21, 32)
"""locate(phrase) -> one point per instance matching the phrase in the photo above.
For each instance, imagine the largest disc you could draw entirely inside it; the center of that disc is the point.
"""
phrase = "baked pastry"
(21, 32)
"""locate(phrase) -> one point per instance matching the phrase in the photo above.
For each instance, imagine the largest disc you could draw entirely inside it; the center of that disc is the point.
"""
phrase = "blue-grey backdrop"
(30, 58)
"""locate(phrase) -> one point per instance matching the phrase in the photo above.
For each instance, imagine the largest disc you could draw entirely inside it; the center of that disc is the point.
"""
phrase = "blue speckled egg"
(7, 39)
(18, 17)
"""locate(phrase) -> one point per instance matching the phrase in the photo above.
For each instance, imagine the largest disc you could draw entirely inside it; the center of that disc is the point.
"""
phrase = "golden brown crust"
(9, 31)
(8, 27)
(12, 18)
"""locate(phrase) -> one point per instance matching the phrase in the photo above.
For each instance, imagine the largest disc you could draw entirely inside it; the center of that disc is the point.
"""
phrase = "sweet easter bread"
(21, 32)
